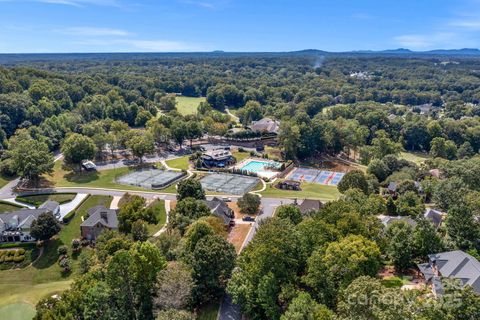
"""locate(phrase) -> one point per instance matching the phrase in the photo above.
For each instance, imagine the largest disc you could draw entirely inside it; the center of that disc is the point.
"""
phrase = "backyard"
(188, 105)
(43, 277)
(159, 209)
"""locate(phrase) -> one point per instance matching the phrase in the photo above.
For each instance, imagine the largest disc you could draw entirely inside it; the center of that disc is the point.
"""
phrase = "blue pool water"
(255, 166)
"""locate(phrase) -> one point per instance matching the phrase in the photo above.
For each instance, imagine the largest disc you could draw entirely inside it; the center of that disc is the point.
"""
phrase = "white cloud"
(467, 24)
(93, 31)
(136, 45)
(426, 41)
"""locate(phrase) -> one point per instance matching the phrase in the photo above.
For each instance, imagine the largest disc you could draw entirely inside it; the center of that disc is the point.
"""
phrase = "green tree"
(190, 188)
(288, 138)
(289, 212)
(336, 266)
(354, 179)
(76, 148)
(31, 159)
(426, 239)
(186, 211)
(379, 169)
(463, 227)
(195, 232)
(249, 203)
(303, 307)
(139, 231)
(141, 145)
(400, 245)
(410, 204)
(212, 264)
(174, 286)
(44, 227)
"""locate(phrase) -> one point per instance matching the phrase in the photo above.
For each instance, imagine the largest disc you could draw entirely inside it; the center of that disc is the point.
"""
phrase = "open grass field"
(416, 157)
(44, 277)
(7, 207)
(159, 206)
(179, 163)
(188, 105)
(17, 311)
(309, 190)
(93, 179)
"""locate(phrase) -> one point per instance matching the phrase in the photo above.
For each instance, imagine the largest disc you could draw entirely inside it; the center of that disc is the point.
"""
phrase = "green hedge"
(17, 245)
(36, 203)
(12, 255)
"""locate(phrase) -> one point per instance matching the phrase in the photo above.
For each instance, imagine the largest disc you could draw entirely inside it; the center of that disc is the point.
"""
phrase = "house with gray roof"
(434, 216)
(453, 264)
(219, 208)
(99, 219)
(388, 220)
(309, 205)
(52, 206)
(15, 226)
(265, 125)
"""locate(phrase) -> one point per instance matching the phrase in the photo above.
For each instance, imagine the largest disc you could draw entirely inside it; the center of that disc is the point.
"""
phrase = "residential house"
(52, 206)
(453, 264)
(99, 219)
(434, 216)
(308, 206)
(15, 226)
(219, 208)
(265, 125)
(388, 220)
(219, 158)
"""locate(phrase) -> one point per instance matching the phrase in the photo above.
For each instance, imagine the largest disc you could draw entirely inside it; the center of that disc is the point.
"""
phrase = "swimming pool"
(258, 166)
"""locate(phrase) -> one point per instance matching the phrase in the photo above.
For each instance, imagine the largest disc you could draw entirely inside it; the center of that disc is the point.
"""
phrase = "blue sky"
(236, 25)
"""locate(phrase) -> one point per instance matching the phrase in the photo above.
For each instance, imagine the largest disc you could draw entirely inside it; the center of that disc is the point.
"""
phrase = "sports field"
(228, 183)
(330, 178)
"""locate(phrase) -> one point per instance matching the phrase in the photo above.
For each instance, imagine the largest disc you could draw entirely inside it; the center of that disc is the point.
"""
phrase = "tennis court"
(151, 178)
(330, 178)
(228, 183)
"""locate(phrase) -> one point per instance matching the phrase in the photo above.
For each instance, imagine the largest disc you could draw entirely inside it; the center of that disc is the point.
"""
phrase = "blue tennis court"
(322, 177)
(330, 178)
(336, 179)
(304, 174)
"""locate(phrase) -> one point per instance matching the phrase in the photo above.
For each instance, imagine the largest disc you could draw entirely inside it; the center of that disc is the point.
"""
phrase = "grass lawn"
(240, 156)
(44, 277)
(208, 312)
(159, 206)
(188, 105)
(309, 190)
(94, 179)
(7, 207)
(416, 157)
(38, 199)
(179, 163)
(17, 311)
(4, 180)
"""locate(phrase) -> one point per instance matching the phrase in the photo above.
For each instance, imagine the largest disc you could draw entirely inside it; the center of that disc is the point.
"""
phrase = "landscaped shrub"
(68, 217)
(21, 251)
(76, 245)
(62, 250)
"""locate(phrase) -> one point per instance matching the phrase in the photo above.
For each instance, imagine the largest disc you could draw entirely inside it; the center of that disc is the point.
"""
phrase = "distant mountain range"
(13, 58)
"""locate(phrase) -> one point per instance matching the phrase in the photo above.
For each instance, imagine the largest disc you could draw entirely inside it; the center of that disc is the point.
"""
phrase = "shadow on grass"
(81, 177)
(50, 254)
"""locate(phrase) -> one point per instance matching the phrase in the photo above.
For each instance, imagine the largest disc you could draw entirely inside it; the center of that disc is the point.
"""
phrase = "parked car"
(226, 199)
(248, 218)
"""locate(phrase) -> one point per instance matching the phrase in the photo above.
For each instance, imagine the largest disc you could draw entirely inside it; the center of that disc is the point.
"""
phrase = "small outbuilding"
(289, 185)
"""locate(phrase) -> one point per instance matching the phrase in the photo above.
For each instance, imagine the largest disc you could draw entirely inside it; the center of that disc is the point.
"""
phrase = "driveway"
(68, 207)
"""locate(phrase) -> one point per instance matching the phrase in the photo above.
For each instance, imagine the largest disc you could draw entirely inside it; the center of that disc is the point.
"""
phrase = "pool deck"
(269, 174)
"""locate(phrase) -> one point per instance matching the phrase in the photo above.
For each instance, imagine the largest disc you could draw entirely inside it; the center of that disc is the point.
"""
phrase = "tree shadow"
(50, 254)
(81, 177)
